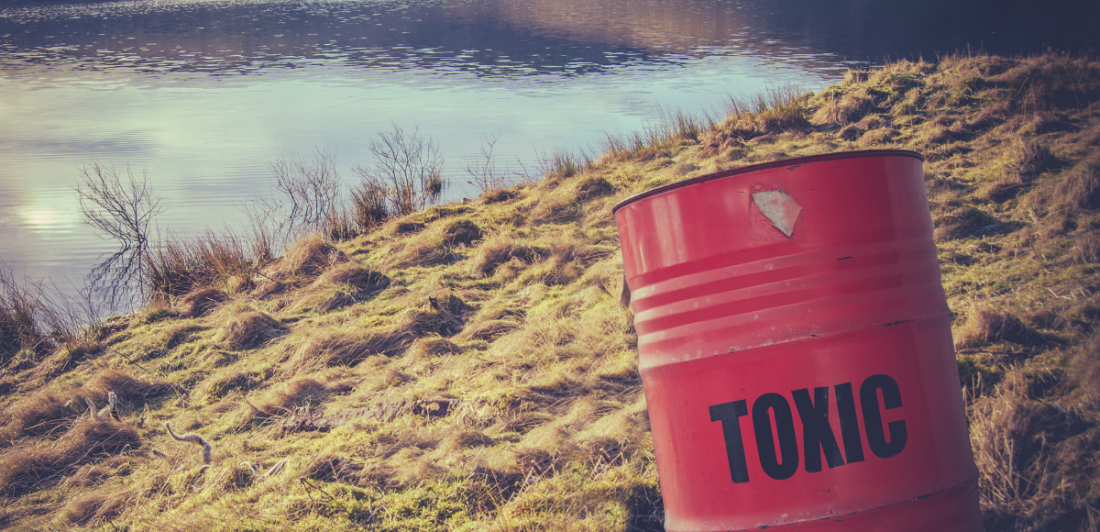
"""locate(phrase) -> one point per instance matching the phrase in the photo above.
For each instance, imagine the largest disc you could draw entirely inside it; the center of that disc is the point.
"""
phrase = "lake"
(202, 96)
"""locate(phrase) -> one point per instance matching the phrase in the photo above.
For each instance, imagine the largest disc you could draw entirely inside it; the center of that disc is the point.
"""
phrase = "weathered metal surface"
(795, 345)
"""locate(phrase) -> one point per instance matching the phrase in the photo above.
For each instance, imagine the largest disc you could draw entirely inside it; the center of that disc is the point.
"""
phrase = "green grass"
(471, 367)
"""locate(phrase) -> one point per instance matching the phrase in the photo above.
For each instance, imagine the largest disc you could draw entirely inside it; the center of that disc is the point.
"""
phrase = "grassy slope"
(486, 370)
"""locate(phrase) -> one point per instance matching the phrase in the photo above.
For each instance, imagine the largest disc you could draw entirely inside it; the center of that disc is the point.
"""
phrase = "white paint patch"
(780, 208)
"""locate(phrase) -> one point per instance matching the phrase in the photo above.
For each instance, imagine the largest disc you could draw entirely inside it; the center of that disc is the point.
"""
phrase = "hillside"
(471, 366)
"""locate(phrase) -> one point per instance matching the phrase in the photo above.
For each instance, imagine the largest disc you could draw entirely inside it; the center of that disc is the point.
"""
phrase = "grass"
(472, 366)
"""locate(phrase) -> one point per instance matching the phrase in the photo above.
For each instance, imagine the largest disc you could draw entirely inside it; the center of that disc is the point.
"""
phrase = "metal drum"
(795, 345)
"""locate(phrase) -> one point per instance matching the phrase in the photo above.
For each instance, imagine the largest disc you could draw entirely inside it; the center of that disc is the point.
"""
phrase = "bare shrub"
(37, 318)
(310, 191)
(408, 167)
(484, 174)
(119, 206)
(369, 204)
(21, 324)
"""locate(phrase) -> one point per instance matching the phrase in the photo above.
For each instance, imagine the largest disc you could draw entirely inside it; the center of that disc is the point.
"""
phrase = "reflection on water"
(518, 38)
(203, 94)
(488, 38)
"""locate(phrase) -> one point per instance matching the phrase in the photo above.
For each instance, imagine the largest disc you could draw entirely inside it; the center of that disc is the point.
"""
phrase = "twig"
(309, 484)
(191, 437)
(126, 358)
(257, 409)
(91, 408)
(274, 469)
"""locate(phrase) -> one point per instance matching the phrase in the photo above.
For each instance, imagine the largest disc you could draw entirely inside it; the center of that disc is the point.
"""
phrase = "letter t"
(730, 415)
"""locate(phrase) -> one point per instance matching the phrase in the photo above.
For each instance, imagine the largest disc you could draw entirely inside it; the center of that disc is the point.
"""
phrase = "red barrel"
(795, 345)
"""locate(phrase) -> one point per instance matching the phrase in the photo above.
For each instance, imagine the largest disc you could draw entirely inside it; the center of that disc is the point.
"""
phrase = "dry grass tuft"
(66, 357)
(594, 187)
(1053, 81)
(426, 249)
(333, 468)
(21, 324)
(987, 326)
(431, 347)
(180, 266)
(461, 232)
(127, 387)
(365, 280)
(489, 330)
(1027, 452)
(308, 258)
(202, 302)
(843, 108)
(43, 465)
(281, 401)
(963, 222)
(294, 393)
(44, 412)
(348, 349)
(498, 195)
(1080, 188)
(91, 508)
(499, 249)
(251, 329)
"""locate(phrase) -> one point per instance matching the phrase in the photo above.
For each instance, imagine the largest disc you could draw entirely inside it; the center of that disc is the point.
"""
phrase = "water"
(203, 95)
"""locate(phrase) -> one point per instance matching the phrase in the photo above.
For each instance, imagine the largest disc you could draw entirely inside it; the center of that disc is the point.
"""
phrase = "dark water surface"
(202, 95)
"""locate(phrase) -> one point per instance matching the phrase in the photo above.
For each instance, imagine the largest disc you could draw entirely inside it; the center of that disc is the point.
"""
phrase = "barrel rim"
(765, 166)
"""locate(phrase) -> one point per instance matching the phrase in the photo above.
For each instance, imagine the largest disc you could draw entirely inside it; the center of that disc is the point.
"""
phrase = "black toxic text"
(773, 419)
